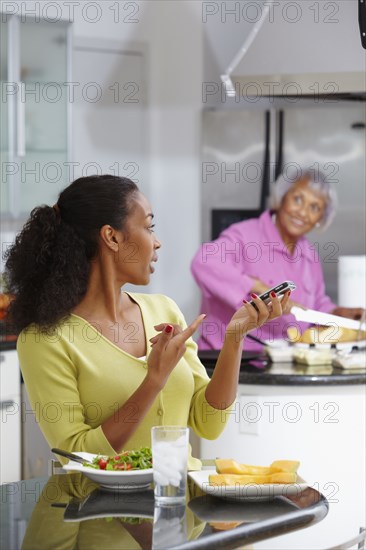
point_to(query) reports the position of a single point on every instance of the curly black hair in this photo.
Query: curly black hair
(47, 268)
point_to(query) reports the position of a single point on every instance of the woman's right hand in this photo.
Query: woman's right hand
(248, 317)
(168, 348)
(259, 287)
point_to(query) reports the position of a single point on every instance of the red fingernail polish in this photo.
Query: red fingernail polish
(273, 294)
(254, 296)
(245, 302)
(288, 293)
(168, 329)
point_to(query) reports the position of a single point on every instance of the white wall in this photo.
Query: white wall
(173, 35)
(175, 130)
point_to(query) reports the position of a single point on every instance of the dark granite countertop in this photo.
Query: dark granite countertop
(52, 514)
(8, 345)
(256, 368)
(8, 338)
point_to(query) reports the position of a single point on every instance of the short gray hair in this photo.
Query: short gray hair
(317, 181)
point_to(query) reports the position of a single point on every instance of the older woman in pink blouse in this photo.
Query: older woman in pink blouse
(251, 256)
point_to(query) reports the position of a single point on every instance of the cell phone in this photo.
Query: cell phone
(280, 290)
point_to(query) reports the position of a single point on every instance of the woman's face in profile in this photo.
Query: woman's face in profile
(302, 207)
(139, 244)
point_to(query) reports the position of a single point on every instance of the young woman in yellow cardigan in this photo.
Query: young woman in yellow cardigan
(102, 366)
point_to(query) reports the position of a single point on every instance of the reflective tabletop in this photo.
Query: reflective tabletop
(70, 511)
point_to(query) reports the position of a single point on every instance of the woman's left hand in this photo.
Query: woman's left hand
(249, 318)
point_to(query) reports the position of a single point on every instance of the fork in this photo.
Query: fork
(71, 456)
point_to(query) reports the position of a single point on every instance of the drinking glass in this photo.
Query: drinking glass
(170, 455)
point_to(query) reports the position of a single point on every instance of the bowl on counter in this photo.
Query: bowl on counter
(279, 351)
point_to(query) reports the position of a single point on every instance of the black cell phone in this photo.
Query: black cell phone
(280, 290)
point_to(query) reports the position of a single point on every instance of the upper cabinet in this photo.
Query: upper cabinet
(35, 112)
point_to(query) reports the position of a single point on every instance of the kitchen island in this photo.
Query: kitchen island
(70, 511)
(316, 415)
(312, 414)
(257, 369)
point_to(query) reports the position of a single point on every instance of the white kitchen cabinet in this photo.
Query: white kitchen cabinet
(10, 429)
(36, 453)
(35, 112)
(322, 427)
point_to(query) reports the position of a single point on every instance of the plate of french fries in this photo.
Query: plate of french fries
(234, 481)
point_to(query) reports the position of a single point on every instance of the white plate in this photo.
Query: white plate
(131, 480)
(253, 491)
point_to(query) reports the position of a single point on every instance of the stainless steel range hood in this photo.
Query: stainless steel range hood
(304, 49)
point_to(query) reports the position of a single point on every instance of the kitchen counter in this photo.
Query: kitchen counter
(8, 338)
(311, 414)
(257, 369)
(50, 513)
(8, 345)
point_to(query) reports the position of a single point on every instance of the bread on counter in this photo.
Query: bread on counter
(325, 335)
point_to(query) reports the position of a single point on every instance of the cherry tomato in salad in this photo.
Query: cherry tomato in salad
(102, 463)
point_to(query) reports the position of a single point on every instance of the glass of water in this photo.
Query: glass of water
(170, 456)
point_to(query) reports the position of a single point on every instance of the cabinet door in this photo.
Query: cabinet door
(43, 74)
(10, 463)
(4, 116)
(35, 65)
(10, 417)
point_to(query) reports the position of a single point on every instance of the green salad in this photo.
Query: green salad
(127, 460)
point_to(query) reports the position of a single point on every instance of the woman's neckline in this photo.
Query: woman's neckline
(89, 323)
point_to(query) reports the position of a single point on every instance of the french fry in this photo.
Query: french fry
(284, 466)
(235, 479)
(229, 466)
(231, 472)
